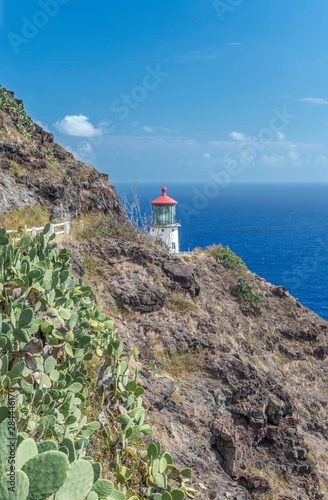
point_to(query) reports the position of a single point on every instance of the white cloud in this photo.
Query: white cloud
(207, 156)
(42, 125)
(294, 156)
(246, 158)
(151, 130)
(280, 136)
(238, 136)
(86, 147)
(275, 160)
(235, 43)
(322, 161)
(148, 129)
(83, 151)
(78, 126)
(314, 100)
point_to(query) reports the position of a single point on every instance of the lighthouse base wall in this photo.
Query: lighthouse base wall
(169, 235)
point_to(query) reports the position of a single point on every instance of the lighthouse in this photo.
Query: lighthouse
(164, 224)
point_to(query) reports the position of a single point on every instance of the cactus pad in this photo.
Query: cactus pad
(103, 488)
(69, 444)
(97, 469)
(92, 496)
(21, 487)
(26, 450)
(177, 494)
(79, 482)
(47, 472)
(116, 495)
(7, 435)
(47, 446)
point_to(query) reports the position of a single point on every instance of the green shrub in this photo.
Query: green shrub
(246, 294)
(227, 258)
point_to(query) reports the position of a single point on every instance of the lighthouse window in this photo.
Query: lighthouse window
(163, 215)
(173, 246)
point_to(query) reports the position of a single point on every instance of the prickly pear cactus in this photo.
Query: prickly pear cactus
(49, 328)
(48, 324)
(26, 450)
(103, 488)
(8, 439)
(92, 496)
(79, 482)
(17, 490)
(46, 472)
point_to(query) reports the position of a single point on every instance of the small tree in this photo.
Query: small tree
(134, 211)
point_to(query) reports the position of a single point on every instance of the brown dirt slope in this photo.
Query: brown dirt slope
(240, 394)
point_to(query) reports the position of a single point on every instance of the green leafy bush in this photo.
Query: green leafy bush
(246, 293)
(227, 258)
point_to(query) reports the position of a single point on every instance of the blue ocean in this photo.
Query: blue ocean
(279, 230)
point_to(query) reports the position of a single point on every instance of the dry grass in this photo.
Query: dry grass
(279, 485)
(181, 364)
(35, 216)
(178, 302)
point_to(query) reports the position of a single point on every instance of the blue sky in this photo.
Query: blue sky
(176, 91)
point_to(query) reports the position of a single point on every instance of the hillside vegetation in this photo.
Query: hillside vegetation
(234, 369)
(51, 333)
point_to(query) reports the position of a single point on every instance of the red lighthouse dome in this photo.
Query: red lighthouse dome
(164, 199)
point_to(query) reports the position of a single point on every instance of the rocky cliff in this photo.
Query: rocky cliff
(34, 169)
(236, 391)
(239, 393)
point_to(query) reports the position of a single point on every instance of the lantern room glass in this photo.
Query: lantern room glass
(164, 215)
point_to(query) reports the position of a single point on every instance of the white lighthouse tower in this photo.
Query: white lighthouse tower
(164, 221)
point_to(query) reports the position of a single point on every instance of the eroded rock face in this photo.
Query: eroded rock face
(182, 274)
(13, 194)
(226, 442)
(139, 296)
(254, 484)
(28, 176)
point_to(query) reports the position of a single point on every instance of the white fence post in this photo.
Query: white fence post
(34, 230)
